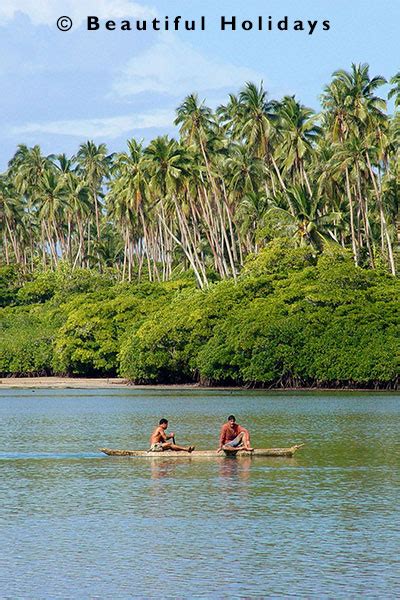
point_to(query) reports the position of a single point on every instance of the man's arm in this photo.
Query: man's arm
(222, 438)
(162, 434)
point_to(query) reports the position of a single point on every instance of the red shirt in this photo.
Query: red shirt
(229, 433)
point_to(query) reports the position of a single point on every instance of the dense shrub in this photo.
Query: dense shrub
(89, 341)
(291, 319)
(26, 340)
(327, 324)
(40, 289)
(9, 284)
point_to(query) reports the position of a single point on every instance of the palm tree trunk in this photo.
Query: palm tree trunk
(5, 244)
(196, 272)
(306, 179)
(189, 245)
(382, 216)
(278, 173)
(146, 243)
(353, 235)
(364, 214)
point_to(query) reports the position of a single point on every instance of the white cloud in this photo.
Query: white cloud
(46, 12)
(111, 127)
(174, 67)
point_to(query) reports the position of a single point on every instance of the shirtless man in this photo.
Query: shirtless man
(234, 437)
(159, 440)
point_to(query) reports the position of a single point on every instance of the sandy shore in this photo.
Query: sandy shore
(60, 382)
(82, 383)
(116, 382)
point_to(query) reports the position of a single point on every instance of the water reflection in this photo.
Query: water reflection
(235, 468)
(160, 468)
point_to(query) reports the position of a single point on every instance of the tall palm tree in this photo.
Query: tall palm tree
(52, 205)
(207, 200)
(11, 218)
(298, 134)
(168, 164)
(251, 213)
(126, 199)
(94, 166)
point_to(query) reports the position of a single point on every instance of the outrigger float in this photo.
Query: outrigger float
(283, 452)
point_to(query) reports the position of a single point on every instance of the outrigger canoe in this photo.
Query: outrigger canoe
(286, 452)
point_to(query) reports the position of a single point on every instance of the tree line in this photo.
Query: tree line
(253, 170)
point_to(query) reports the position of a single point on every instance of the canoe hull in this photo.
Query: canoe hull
(285, 452)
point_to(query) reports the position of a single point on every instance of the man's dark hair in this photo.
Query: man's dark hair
(162, 421)
(231, 418)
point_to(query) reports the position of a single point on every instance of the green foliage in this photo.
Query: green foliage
(328, 324)
(332, 325)
(280, 256)
(89, 341)
(62, 283)
(80, 281)
(26, 340)
(42, 288)
(9, 284)
(290, 319)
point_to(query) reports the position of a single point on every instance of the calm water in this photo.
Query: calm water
(76, 524)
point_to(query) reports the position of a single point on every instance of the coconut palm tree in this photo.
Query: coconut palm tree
(94, 166)
(207, 200)
(304, 216)
(168, 164)
(298, 134)
(127, 204)
(52, 205)
(395, 91)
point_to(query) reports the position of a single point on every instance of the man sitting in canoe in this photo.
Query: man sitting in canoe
(234, 437)
(159, 440)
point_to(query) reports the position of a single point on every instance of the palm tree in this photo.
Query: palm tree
(395, 91)
(298, 135)
(52, 205)
(251, 213)
(206, 201)
(252, 119)
(305, 217)
(243, 171)
(11, 216)
(168, 165)
(27, 168)
(359, 92)
(94, 166)
(198, 127)
(126, 199)
(354, 111)
(78, 209)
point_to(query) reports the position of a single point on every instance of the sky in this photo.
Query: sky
(61, 88)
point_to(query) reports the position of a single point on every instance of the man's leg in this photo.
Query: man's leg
(246, 441)
(235, 445)
(176, 448)
(241, 442)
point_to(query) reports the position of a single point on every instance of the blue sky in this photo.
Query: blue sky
(62, 88)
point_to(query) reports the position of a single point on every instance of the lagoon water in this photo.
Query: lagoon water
(77, 524)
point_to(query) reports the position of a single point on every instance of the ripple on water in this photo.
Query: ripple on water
(76, 524)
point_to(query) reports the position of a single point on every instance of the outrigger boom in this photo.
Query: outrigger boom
(284, 452)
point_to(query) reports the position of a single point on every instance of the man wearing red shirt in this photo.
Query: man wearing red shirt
(234, 437)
